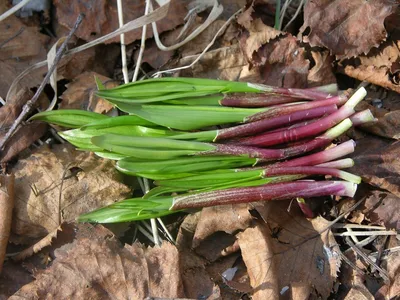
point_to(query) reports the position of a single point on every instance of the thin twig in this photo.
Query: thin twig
(13, 9)
(381, 271)
(145, 233)
(142, 44)
(172, 240)
(28, 106)
(214, 14)
(295, 15)
(366, 233)
(122, 39)
(223, 27)
(358, 226)
(351, 264)
(21, 30)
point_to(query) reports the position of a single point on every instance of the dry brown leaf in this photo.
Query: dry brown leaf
(101, 17)
(257, 252)
(388, 122)
(384, 156)
(196, 281)
(380, 66)
(289, 248)
(283, 63)
(22, 139)
(382, 208)
(99, 268)
(257, 32)
(217, 245)
(321, 73)
(38, 183)
(44, 242)
(11, 110)
(346, 28)
(12, 278)
(80, 93)
(226, 218)
(21, 46)
(392, 264)
(226, 63)
(359, 293)
(6, 209)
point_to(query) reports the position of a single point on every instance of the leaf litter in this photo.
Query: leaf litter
(259, 251)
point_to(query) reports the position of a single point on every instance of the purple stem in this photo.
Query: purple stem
(256, 100)
(295, 134)
(305, 208)
(262, 125)
(310, 94)
(277, 191)
(287, 109)
(310, 170)
(322, 156)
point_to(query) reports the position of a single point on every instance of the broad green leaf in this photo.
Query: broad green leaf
(71, 118)
(189, 117)
(128, 210)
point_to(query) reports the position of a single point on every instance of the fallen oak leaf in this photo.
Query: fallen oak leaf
(80, 93)
(257, 32)
(289, 251)
(39, 178)
(101, 17)
(379, 66)
(44, 242)
(257, 252)
(226, 218)
(383, 154)
(346, 28)
(6, 209)
(282, 62)
(321, 73)
(98, 267)
(382, 207)
(22, 139)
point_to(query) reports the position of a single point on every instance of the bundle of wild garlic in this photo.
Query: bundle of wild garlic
(169, 136)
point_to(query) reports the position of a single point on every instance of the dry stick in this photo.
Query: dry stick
(142, 44)
(122, 40)
(223, 27)
(13, 9)
(381, 271)
(28, 106)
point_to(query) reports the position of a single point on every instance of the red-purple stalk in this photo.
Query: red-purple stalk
(309, 170)
(309, 130)
(322, 156)
(287, 109)
(262, 125)
(275, 154)
(277, 191)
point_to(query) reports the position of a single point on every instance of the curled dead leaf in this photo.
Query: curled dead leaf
(80, 93)
(101, 17)
(380, 66)
(346, 28)
(98, 268)
(40, 207)
(226, 218)
(288, 251)
(383, 155)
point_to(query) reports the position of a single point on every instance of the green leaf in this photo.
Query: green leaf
(72, 118)
(189, 117)
(128, 210)
(118, 121)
